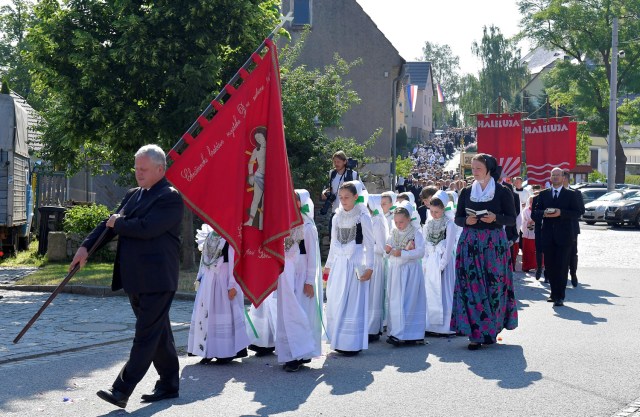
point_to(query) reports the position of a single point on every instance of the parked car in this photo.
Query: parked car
(590, 194)
(582, 185)
(623, 212)
(594, 211)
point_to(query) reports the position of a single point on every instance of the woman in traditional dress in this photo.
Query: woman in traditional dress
(349, 267)
(407, 299)
(440, 236)
(483, 300)
(300, 293)
(218, 327)
(378, 280)
(528, 238)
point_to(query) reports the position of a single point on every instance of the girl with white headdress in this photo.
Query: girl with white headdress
(349, 268)
(299, 291)
(217, 324)
(407, 299)
(440, 234)
(378, 280)
(411, 200)
(388, 205)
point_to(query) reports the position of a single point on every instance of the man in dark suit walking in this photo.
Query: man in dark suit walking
(573, 255)
(147, 224)
(557, 208)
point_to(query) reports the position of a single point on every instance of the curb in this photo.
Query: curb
(90, 290)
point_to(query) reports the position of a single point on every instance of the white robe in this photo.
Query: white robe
(378, 282)
(407, 300)
(439, 284)
(218, 328)
(298, 334)
(264, 320)
(348, 297)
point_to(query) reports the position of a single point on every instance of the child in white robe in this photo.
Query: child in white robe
(299, 329)
(440, 236)
(377, 284)
(349, 267)
(387, 203)
(407, 309)
(218, 327)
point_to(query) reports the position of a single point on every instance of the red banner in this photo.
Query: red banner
(235, 176)
(500, 135)
(549, 143)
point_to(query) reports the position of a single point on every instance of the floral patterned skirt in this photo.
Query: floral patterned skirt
(484, 302)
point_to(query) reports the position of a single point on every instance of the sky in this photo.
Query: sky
(408, 24)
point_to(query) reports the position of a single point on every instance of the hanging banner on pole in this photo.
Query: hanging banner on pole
(500, 135)
(235, 175)
(549, 143)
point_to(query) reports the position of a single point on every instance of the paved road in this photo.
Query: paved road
(580, 360)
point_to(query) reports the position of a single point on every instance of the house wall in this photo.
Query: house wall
(342, 26)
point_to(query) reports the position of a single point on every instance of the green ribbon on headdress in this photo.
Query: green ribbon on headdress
(305, 209)
(392, 208)
(375, 212)
(360, 200)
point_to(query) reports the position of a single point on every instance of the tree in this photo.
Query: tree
(123, 74)
(502, 72)
(470, 98)
(445, 67)
(15, 20)
(582, 30)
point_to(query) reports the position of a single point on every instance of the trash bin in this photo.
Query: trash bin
(50, 221)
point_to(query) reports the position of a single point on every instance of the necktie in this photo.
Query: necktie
(555, 194)
(142, 194)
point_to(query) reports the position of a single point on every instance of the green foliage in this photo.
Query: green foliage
(404, 166)
(632, 179)
(583, 141)
(402, 141)
(445, 67)
(502, 72)
(25, 257)
(121, 74)
(470, 98)
(83, 219)
(15, 20)
(5, 86)
(597, 176)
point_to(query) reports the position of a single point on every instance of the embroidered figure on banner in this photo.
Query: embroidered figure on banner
(256, 176)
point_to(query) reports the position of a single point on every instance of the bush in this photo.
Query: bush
(83, 219)
(597, 176)
(632, 179)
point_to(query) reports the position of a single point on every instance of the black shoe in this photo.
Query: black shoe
(473, 346)
(113, 396)
(261, 351)
(550, 300)
(242, 354)
(538, 273)
(159, 394)
(392, 340)
(546, 281)
(292, 366)
(348, 352)
(374, 338)
(205, 361)
(558, 303)
(305, 360)
(574, 281)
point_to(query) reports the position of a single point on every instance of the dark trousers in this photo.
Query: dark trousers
(573, 258)
(539, 253)
(153, 344)
(556, 268)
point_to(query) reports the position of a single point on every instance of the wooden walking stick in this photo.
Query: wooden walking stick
(60, 286)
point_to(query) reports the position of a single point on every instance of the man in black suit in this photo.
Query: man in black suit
(557, 208)
(147, 263)
(573, 255)
(538, 235)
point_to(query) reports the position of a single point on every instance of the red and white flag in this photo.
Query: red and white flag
(549, 143)
(500, 135)
(235, 176)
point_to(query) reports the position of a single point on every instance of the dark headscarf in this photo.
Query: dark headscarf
(492, 166)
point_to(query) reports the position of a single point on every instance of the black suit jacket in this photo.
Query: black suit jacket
(148, 254)
(557, 230)
(576, 223)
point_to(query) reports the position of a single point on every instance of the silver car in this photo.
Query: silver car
(594, 211)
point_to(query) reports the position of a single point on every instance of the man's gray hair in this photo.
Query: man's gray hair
(155, 153)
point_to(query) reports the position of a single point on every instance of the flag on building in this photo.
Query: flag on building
(549, 143)
(500, 135)
(412, 96)
(235, 176)
(440, 93)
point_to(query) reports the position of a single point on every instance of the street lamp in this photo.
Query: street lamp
(613, 107)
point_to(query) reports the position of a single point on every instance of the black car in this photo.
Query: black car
(595, 210)
(590, 194)
(626, 211)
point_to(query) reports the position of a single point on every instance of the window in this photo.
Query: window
(594, 158)
(301, 12)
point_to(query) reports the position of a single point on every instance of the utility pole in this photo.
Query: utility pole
(613, 109)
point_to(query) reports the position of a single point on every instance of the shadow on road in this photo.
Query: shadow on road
(505, 364)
